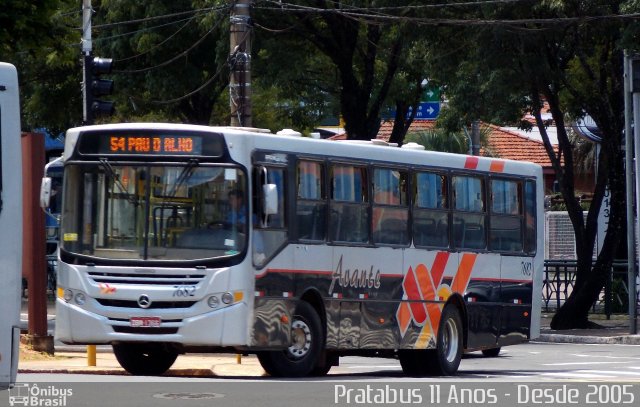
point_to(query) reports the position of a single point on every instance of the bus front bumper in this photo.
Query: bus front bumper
(221, 327)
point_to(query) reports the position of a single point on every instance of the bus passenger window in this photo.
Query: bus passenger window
(430, 190)
(311, 204)
(530, 217)
(390, 216)
(349, 219)
(430, 214)
(506, 218)
(468, 215)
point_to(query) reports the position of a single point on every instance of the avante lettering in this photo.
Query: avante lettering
(356, 278)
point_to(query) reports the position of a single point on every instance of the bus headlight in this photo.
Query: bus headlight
(227, 298)
(68, 295)
(80, 299)
(213, 301)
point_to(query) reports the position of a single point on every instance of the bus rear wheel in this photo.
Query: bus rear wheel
(445, 359)
(145, 359)
(302, 355)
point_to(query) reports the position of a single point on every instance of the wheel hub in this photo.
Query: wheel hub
(450, 340)
(300, 338)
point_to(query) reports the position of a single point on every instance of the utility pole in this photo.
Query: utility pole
(87, 47)
(633, 69)
(475, 137)
(628, 158)
(240, 63)
(93, 85)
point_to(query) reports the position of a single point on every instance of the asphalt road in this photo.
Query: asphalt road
(557, 374)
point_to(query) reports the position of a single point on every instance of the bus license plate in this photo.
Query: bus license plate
(142, 322)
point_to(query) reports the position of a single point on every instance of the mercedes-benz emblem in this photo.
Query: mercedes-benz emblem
(144, 301)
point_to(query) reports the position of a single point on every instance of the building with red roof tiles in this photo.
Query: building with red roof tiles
(514, 146)
(416, 126)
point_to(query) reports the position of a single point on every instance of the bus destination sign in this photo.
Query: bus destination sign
(158, 144)
(139, 143)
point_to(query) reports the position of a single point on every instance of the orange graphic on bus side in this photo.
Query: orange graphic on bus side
(421, 285)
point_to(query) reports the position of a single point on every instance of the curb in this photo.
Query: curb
(82, 349)
(122, 372)
(610, 340)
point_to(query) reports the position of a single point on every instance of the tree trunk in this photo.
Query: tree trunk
(574, 314)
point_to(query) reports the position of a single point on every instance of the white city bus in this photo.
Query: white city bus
(180, 238)
(10, 224)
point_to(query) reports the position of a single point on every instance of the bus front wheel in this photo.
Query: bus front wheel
(145, 359)
(302, 355)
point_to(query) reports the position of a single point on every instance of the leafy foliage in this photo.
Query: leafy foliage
(575, 65)
(36, 37)
(439, 139)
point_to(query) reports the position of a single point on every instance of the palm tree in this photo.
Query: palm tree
(439, 139)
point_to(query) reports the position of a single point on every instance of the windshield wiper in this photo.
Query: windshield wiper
(116, 180)
(184, 175)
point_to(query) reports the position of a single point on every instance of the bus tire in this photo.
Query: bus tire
(145, 359)
(325, 362)
(445, 359)
(264, 357)
(307, 341)
(491, 353)
(413, 362)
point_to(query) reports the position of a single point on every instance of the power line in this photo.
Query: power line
(100, 39)
(178, 56)
(366, 15)
(158, 44)
(232, 60)
(143, 20)
(193, 92)
(426, 6)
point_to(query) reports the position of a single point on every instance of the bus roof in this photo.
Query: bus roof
(364, 150)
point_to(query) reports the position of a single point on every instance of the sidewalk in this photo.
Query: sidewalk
(613, 331)
(189, 365)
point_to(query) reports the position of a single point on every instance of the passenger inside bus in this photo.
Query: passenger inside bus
(237, 214)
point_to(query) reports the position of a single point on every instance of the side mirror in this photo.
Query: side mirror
(45, 192)
(270, 196)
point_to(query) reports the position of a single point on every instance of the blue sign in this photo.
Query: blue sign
(426, 110)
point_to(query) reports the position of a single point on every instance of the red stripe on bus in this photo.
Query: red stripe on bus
(439, 264)
(424, 282)
(463, 275)
(471, 163)
(413, 294)
(320, 272)
(496, 166)
(293, 271)
(498, 280)
(404, 317)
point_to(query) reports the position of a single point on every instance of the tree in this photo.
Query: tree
(575, 66)
(293, 89)
(439, 139)
(365, 55)
(25, 26)
(36, 37)
(170, 57)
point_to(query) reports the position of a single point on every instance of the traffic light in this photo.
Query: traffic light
(97, 87)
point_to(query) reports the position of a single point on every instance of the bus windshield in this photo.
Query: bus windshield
(186, 211)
